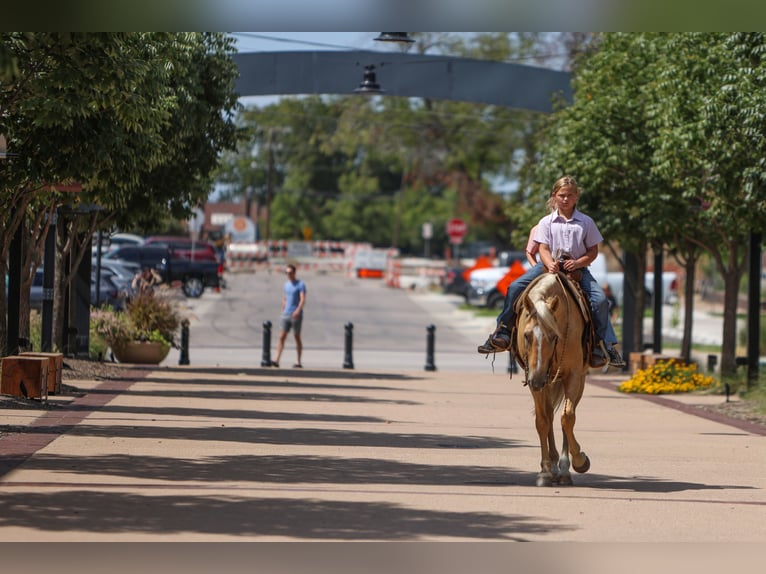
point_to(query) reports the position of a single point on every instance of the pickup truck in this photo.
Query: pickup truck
(194, 275)
(487, 286)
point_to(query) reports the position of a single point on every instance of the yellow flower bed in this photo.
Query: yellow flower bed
(666, 377)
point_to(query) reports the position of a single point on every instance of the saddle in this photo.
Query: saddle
(571, 283)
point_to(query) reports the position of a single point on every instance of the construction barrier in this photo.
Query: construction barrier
(414, 273)
(356, 260)
(305, 255)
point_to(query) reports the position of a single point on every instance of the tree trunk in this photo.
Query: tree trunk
(59, 289)
(34, 232)
(729, 345)
(640, 290)
(3, 307)
(686, 342)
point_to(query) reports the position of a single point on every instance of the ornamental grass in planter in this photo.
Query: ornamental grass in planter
(150, 317)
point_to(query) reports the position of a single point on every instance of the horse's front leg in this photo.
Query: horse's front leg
(544, 425)
(565, 478)
(573, 393)
(553, 453)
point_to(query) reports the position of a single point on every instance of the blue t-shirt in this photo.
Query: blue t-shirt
(293, 290)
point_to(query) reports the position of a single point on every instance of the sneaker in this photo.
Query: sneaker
(615, 359)
(597, 358)
(498, 342)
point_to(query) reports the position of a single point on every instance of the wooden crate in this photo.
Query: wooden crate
(55, 368)
(25, 377)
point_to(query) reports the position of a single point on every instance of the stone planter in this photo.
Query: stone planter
(140, 352)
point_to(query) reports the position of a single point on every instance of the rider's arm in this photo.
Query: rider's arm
(549, 263)
(583, 260)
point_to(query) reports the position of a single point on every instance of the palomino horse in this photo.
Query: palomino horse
(551, 344)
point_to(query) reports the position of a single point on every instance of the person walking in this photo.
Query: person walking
(291, 318)
(568, 240)
(614, 308)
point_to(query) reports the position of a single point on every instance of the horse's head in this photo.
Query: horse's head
(538, 335)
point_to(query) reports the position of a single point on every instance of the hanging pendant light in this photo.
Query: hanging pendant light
(370, 83)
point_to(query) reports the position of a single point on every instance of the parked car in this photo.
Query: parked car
(115, 240)
(454, 281)
(194, 275)
(119, 273)
(185, 247)
(109, 293)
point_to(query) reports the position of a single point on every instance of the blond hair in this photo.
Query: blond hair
(565, 181)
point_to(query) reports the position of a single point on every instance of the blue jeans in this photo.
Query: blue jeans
(599, 304)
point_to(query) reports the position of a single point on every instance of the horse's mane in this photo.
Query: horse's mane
(543, 289)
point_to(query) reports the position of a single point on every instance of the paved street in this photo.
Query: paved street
(383, 452)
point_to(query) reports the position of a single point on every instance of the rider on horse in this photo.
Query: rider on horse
(565, 231)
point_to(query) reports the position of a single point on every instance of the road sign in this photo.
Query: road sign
(456, 230)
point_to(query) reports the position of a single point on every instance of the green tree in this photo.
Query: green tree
(603, 139)
(665, 136)
(710, 146)
(138, 119)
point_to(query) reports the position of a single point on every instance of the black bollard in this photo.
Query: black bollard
(183, 359)
(430, 366)
(348, 360)
(266, 356)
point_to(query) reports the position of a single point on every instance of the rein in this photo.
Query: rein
(566, 334)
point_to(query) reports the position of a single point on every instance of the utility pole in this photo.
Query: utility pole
(269, 185)
(398, 214)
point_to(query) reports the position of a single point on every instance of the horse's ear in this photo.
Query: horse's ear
(529, 305)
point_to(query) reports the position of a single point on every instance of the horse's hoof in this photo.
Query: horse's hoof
(564, 480)
(585, 465)
(544, 480)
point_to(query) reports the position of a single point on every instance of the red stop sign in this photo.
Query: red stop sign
(456, 229)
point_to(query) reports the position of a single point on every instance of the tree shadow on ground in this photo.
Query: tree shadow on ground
(349, 374)
(246, 395)
(282, 436)
(228, 514)
(277, 469)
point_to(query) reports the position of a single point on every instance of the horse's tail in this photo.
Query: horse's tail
(556, 393)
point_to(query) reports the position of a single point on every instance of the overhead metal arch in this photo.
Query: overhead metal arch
(408, 75)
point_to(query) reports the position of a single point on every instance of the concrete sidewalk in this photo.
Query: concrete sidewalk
(233, 454)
